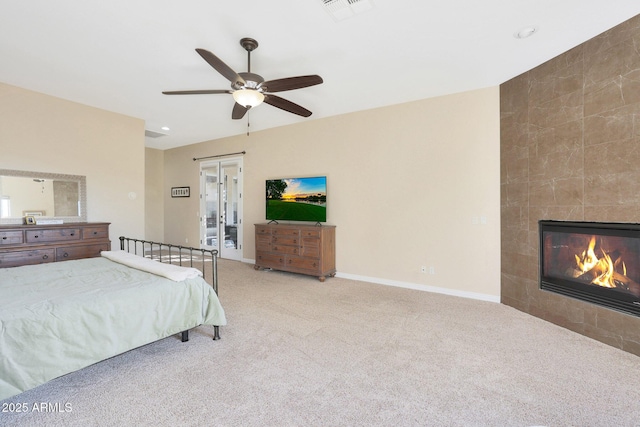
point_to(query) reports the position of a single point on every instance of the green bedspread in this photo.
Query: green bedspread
(60, 317)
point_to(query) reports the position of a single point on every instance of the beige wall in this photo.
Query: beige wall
(410, 185)
(154, 195)
(47, 134)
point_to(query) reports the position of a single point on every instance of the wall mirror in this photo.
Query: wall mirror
(45, 196)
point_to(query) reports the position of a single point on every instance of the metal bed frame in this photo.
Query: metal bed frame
(176, 254)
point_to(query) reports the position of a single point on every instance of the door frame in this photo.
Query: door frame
(223, 252)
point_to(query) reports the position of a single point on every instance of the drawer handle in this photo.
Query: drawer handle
(95, 232)
(36, 236)
(4, 238)
(295, 241)
(71, 234)
(45, 256)
(65, 255)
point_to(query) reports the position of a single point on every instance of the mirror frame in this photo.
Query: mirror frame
(82, 190)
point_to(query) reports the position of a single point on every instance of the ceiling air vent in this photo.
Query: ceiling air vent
(343, 9)
(153, 134)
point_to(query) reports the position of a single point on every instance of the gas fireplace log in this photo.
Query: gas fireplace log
(595, 271)
(599, 268)
(634, 287)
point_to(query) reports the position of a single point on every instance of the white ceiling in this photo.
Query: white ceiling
(119, 55)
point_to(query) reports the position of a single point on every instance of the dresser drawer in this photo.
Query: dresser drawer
(11, 237)
(286, 240)
(291, 232)
(17, 258)
(100, 232)
(53, 235)
(79, 252)
(270, 260)
(263, 229)
(308, 232)
(300, 263)
(284, 249)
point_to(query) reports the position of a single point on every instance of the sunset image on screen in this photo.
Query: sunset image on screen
(297, 199)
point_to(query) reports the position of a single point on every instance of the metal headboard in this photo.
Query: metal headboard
(173, 253)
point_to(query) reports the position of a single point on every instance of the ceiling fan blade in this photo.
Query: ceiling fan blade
(221, 67)
(238, 111)
(285, 105)
(197, 92)
(290, 83)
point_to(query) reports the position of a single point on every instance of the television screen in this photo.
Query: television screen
(297, 199)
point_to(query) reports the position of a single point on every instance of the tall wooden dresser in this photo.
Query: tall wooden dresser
(37, 244)
(305, 249)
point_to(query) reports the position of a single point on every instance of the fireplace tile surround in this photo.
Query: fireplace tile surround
(570, 151)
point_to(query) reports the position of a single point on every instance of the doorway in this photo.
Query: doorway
(221, 207)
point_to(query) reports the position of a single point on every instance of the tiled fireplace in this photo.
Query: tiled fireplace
(570, 151)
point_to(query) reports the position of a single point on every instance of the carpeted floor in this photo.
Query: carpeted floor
(297, 352)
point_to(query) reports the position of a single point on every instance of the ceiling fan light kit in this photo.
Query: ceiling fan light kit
(248, 98)
(250, 90)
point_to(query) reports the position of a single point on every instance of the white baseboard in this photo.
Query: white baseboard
(419, 287)
(409, 285)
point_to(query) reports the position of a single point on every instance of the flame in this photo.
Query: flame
(589, 258)
(606, 278)
(603, 269)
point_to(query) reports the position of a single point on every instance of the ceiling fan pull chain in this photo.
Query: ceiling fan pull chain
(248, 122)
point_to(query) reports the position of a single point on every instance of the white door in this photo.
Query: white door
(221, 207)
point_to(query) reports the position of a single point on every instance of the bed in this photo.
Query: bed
(59, 317)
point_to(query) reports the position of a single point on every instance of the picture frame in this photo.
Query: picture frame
(180, 191)
(30, 220)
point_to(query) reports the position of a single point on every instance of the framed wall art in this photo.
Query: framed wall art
(180, 191)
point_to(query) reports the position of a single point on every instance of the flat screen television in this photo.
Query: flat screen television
(297, 199)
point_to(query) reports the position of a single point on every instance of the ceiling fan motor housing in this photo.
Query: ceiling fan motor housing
(252, 81)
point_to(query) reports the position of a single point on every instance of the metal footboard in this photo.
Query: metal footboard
(183, 256)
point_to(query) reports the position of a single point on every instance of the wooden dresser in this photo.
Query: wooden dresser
(305, 249)
(37, 244)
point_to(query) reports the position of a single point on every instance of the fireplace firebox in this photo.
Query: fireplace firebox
(594, 262)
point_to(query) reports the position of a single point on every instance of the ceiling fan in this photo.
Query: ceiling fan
(250, 90)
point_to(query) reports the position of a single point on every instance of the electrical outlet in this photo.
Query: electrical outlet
(423, 269)
(432, 270)
(186, 240)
